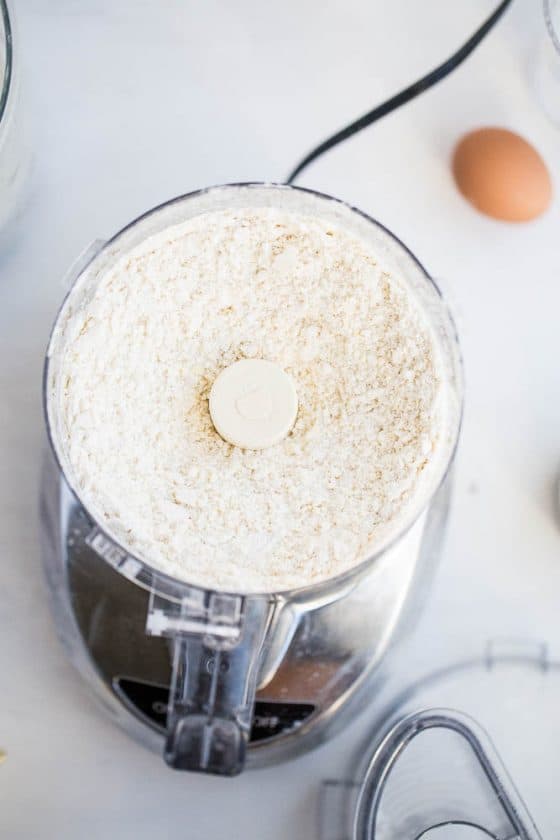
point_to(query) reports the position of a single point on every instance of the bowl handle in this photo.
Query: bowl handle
(217, 642)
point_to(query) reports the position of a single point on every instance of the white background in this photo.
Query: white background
(132, 102)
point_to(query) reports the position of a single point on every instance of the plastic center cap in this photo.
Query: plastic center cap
(253, 404)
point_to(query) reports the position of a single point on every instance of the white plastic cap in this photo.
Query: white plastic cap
(253, 404)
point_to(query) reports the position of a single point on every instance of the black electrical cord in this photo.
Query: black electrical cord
(405, 95)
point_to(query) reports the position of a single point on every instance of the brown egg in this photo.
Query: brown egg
(502, 175)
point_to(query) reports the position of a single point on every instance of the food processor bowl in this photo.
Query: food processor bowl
(304, 654)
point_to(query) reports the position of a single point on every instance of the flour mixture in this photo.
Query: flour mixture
(141, 356)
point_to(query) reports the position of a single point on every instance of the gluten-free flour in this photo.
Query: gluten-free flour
(141, 356)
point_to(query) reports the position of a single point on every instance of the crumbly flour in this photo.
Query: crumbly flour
(141, 358)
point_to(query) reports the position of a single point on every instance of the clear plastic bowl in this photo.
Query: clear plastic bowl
(14, 151)
(547, 67)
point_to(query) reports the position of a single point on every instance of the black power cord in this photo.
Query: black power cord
(405, 95)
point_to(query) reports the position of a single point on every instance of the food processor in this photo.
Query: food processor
(222, 680)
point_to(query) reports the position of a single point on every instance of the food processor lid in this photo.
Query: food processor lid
(436, 776)
(468, 752)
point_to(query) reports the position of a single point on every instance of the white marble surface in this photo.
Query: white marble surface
(130, 103)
